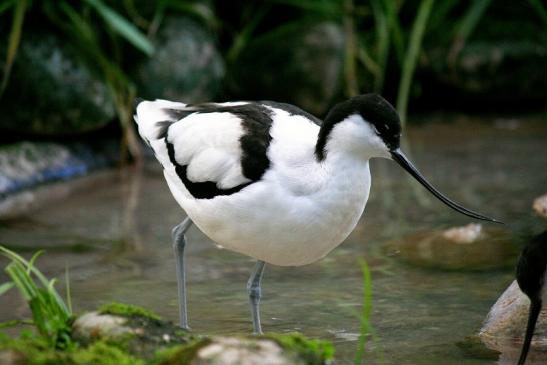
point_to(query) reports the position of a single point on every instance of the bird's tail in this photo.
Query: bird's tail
(154, 117)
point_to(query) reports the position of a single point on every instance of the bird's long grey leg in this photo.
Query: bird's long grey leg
(179, 242)
(253, 288)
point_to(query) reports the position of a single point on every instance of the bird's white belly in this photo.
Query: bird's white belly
(267, 222)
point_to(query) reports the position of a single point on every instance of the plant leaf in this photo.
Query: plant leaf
(6, 5)
(411, 56)
(122, 26)
(5, 287)
(14, 39)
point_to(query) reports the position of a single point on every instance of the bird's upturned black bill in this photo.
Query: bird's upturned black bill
(399, 157)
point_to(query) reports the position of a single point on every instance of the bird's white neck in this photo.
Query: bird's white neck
(354, 139)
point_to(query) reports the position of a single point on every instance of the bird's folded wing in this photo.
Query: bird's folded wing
(206, 146)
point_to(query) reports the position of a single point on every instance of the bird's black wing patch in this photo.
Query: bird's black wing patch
(256, 121)
(293, 110)
(162, 127)
(199, 190)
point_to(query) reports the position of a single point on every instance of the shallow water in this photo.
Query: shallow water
(113, 234)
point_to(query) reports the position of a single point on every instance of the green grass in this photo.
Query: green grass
(366, 330)
(411, 56)
(50, 314)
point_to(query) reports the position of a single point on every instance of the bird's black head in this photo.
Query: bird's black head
(374, 110)
(369, 126)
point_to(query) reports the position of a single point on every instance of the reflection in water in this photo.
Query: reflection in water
(420, 314)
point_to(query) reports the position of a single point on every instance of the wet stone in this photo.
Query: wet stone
(27, 164)
(138, 331)
(540, 206)
(471, 247)
(236, 351)
(145, 335)
(94, 325)
(504, 327)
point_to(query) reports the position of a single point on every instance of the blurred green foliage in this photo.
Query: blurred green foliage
(384, 39)
(50, 314)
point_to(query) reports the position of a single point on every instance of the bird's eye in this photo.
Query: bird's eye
(375, 129)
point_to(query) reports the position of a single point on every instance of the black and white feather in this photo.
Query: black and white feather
(268, 179)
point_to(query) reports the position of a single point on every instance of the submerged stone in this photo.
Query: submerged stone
(504, 327)
(471, 247)
(51, 92)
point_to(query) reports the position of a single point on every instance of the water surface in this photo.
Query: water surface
(113, 234)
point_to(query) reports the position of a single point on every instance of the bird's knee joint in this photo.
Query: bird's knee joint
(254, 292)
(175, 232)
(179, 242)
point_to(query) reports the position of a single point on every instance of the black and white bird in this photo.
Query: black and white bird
(269, 180)
(531, 277)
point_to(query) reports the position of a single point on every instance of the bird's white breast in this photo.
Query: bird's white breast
(298, 212)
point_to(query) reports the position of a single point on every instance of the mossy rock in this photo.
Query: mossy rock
(120, 334)
(127, 310)
(270, 349)
(186, 66)
(51, 92)
(299, 64)
(135, 329)
(503, 61)
(311, 351)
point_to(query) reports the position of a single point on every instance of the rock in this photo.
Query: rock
(94, 325)
(471, 247)
(14, 205)
(503, 60)
(287, 349)
(186, 66)
(129, 335)
(300, 65)
(50, 92)
(504, 327)
(27, 164)
(238, 351)
(141, 331)
(540, 206)
(463, 235)
(11, 357)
